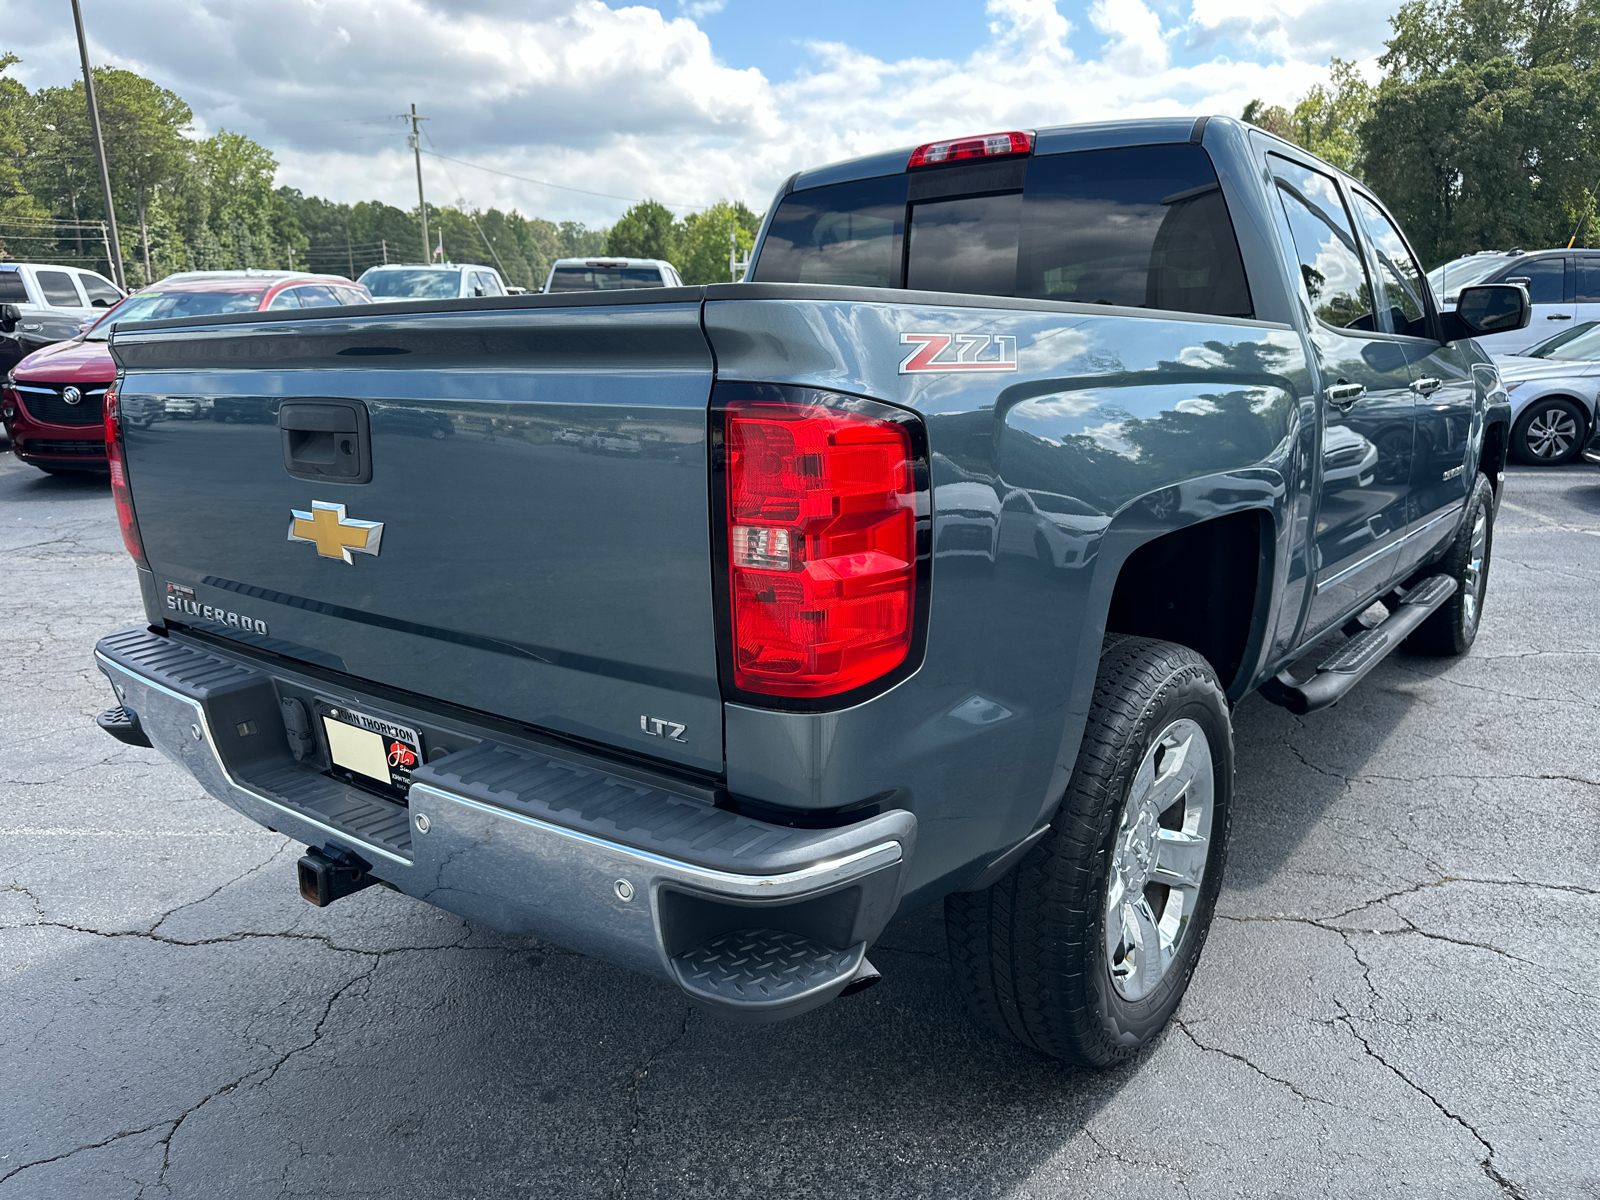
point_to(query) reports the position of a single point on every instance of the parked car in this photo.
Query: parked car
(1553, 387)
(719, 716)
(51, 401)
(53, 303)
(610, 274)
(1564, 286)
(433, 281)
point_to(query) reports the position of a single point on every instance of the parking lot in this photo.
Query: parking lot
(1399, 999)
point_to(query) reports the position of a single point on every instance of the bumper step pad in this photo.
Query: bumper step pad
(752, 969)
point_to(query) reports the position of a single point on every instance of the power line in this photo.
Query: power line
(563, 187)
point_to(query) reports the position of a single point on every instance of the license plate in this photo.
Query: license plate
(375, 750)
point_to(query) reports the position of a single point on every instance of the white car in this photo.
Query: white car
(1555, 392)
(1563, 285)
(37, 288)
(432, 281)
(610, 274)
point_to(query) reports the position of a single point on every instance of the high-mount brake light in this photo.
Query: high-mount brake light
(822, 545)
(988, 145)
(121, 497)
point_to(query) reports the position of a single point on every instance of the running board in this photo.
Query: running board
(1350, 662)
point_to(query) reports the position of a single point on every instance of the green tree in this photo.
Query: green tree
(1326, 121)
(647, 230)
(1485, 118)
(705, 242)
(17, 204)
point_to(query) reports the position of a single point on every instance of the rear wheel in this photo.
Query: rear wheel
(1084, 949)
(1454, 627)
(1548, 433)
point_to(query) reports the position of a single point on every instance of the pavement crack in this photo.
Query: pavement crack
(1506, 1186)
(638, 1077)
(271, 858)
(1239, 1058)
(66, 1154)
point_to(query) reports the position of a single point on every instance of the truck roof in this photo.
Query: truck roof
(1055, 139)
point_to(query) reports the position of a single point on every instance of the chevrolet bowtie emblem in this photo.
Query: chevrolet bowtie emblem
(334, 534)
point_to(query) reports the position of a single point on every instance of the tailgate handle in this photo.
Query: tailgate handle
(326, 441)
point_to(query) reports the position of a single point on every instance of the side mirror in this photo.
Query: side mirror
(10, 314)
(1488, 308)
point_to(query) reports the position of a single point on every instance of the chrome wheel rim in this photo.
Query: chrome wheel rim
(1472, 578)
(1552, 433)
(1158, 860)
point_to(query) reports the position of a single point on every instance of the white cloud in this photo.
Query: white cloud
(630, 102)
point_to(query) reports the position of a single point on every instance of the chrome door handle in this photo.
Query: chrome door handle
(1344, 394)
(1427, 386)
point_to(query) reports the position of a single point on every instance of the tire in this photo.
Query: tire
(1454, 627)
(1549, 432)
(1033, 955)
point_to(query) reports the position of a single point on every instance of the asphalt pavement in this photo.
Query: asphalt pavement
(1401, 996)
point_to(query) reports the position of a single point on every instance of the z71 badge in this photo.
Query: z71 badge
(958, 352)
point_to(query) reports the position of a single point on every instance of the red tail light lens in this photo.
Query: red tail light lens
(120, 496)
(822, 529)
(988, 145)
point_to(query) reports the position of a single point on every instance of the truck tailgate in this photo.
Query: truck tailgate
(539, 475)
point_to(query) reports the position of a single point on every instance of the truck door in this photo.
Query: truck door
(1445, 393)
(1365, 401)
(1551, 288)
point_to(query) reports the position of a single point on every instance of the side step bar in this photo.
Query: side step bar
(1349, 664)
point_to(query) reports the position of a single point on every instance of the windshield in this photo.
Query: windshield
(604, 279)
(1581, 343)
(413, 285)
(1464, 272)
(155, 306)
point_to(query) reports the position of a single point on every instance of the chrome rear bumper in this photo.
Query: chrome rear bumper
(752, 920)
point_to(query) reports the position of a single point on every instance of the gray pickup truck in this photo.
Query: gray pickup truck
(704, 630)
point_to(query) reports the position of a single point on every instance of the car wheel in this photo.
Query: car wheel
(1452, 629)
(1083, 949)
(1549, 432)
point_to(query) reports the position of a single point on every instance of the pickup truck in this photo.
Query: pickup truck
(929, 564)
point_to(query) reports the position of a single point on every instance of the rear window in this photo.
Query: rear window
(12, 289)
(1145, 227)
(413, 285)
(603, 279)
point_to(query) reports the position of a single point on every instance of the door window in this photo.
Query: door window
(1399, 279)
(58, 289)
(12, 288)
(102, 293)
(314, 295)
(1588, 279)
(1547, 279)
(491, 284)
(285, 299)
(1326, 245)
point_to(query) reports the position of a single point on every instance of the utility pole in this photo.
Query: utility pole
(422, 205)
(100, 149)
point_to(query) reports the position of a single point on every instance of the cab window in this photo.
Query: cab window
(102, 293)
(1325, 243)
(58, 289)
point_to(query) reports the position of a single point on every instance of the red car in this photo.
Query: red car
(52, 401)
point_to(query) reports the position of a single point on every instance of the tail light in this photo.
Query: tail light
(825, 515)
(988, 145)
(120, 496)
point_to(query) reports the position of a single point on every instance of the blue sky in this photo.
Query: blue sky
(685, 101)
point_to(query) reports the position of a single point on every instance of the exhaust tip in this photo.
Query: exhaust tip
(866, 976)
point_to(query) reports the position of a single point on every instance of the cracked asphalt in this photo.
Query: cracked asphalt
(1399, 997)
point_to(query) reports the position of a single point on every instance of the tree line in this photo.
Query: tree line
(1478, 134)
(186, 203)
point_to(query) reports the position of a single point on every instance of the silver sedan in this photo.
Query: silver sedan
(1554, 386)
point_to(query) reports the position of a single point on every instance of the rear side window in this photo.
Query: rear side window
(847, 235)
(1400, 309)
(1547, 279)
(315, 295)
(102, 293)
(12, 289)
(1589, 279)
(1325, 243)
(58, 289)
(1142, 226)
(351, 295)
